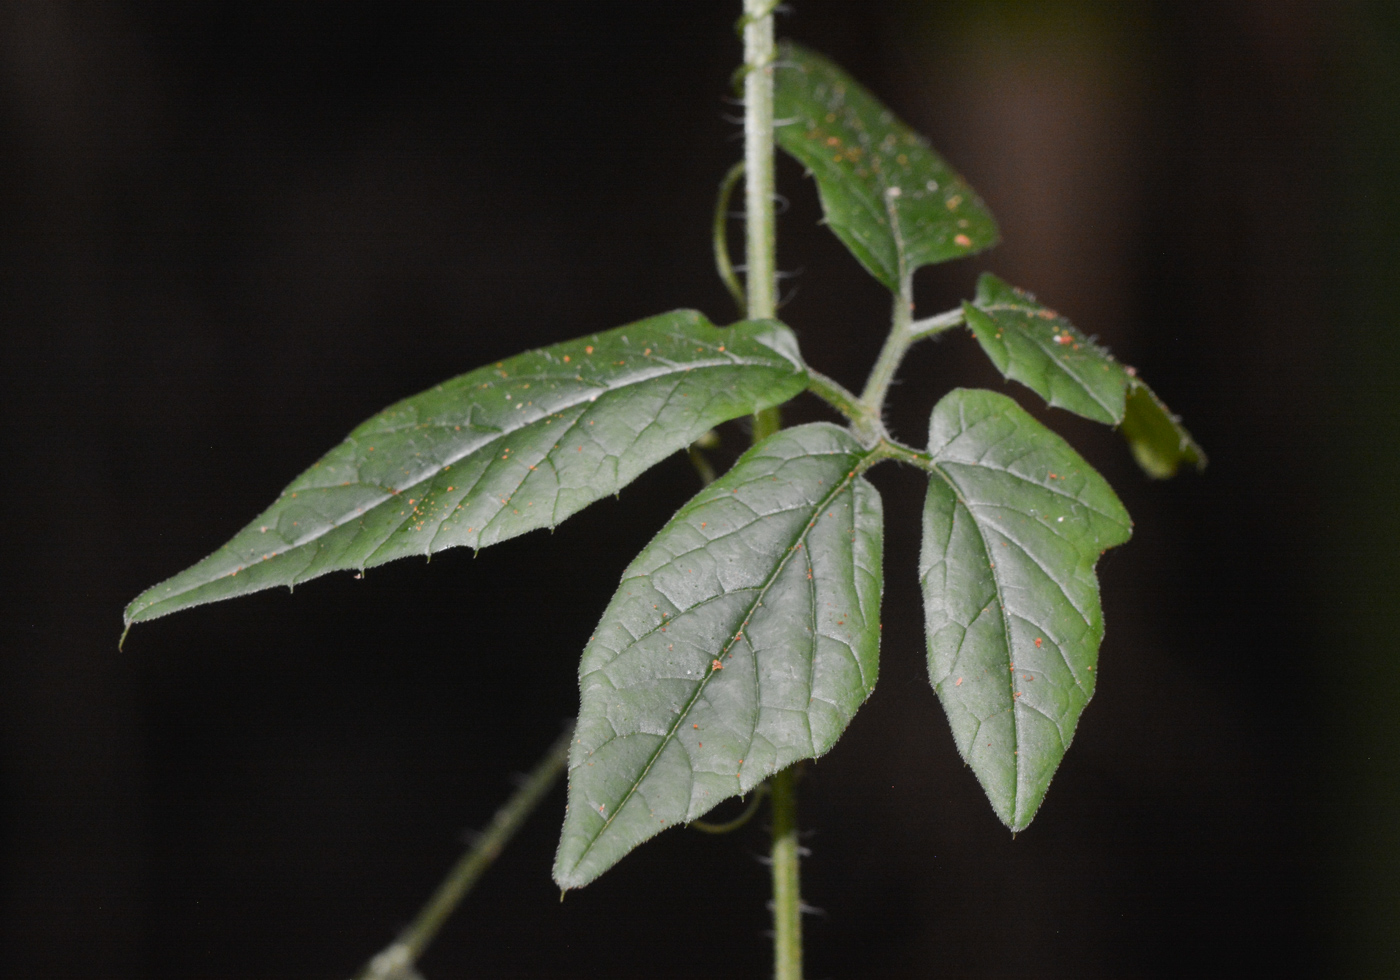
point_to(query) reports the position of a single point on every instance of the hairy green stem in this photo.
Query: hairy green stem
(762, 293)
(787, 896)
(934, 325)
(397, 959)
(760, 228)
(864, 422)
(873, 398)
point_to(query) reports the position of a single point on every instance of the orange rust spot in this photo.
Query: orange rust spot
(588, 350)
(716, 665)
(958, 682)
(962, 240)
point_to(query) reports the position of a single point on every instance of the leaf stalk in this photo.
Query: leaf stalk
(933, 325)
(865, 423)
(898, 341)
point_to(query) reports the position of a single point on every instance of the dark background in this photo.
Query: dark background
(231, 231)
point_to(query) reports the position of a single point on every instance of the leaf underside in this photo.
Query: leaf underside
(885, 193)
(1032, 344)
(1013, 524)
(742, 639)
(500, 451)
(1158, 440)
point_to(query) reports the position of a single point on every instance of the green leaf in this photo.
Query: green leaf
(1032, 344)
(885, 193)
(1013, 525)
(500, 451)
(1158, 440)
(742, 639)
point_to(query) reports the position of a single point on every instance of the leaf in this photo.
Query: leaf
(1158, 440)
(1013, 525)
(885, 193)
(500, 451)
(1034, 345)
(742, 639)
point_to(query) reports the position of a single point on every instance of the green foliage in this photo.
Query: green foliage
(1041, 349)
(742, 639)
(1160, 443)
(1034, 345)
(499, 451)
(892, 200)
(746, 635)
(1014, 521)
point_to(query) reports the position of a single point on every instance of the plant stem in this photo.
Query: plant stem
(397, 959)
(895, 345)
(787, 895)
(762, 292)
(934, 325)
(760, 228)
(865, 422)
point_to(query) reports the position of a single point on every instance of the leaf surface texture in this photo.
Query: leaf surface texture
(499, 451)
(886, 194)
(1031, 343)
(742, 639)
(1013, 524)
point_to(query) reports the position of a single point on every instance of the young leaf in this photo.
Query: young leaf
(885, 193)
(1158, 440)
(500, 451)
(742, 639)
(1034, 345)
(1013, 525)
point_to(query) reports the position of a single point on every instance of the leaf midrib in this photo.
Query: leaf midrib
(1058, 362)
(582, 398)
(1005, 627)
